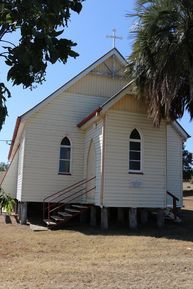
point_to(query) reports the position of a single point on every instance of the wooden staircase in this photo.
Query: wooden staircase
(62, 206)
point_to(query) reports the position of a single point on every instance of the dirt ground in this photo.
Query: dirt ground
(81, 257)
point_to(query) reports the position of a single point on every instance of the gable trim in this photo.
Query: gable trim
(18, 121)
(106, 105)
(80, 75)
(180, 130)
(84, 72)
(115, 98)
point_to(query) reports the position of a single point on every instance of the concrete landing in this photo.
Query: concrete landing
(37, 228)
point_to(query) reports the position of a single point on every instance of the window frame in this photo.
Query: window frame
(70, 159)
(140, 141)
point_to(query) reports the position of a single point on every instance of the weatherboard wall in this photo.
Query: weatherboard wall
(174, 165)
(20, 168)
(44, 132)
(9, 183)
(121, 188)
(99, 85)
(95, 134)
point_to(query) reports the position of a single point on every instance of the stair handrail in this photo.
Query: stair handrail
(175, 200)
(63, 204)
(66, 197)
(173, 196)
(75, 186)
(64, 192)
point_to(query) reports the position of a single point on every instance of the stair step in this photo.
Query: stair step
(80, 206)
(57, 218)
(72, 210)
(64, 214)
(49, 222)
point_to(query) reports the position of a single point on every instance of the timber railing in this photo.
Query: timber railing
(63, 197)
(175, 200)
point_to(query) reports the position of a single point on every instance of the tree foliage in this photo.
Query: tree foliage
(40, 24)
(7, 202)
(161, 62)
(187, 164)
(3, 166)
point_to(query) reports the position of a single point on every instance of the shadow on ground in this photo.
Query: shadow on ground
(177, 231)
(188, 193)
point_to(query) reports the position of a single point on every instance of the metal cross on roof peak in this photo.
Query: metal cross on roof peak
(114, 37)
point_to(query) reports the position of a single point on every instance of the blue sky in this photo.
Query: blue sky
(89, 30)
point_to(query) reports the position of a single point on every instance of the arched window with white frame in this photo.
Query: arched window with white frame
(65, 156)
(135, 152)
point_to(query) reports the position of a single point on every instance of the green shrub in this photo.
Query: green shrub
(7, 202)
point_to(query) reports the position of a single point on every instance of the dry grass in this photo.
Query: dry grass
(149, 258)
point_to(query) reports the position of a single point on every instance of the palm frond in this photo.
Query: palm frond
(162, 58)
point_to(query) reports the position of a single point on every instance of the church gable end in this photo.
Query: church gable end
(105, 79)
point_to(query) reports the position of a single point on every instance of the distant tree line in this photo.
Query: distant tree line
(3, 166)
(187, 165)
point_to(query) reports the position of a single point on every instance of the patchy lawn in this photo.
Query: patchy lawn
(149, 258)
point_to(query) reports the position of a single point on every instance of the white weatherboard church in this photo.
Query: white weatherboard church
(91, 142)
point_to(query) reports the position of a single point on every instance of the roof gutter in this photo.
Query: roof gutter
(89, 117)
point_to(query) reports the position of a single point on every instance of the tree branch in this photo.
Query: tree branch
(7, 42)
(3, 30)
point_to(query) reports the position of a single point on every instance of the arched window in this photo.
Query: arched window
(65, 156)
(135, 163)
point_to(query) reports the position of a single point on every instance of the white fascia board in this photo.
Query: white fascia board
(180, 130)
(113, 100)
(17, 139)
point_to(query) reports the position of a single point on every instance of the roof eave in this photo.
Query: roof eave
(18, 121)
(89, 119)
(181, 131)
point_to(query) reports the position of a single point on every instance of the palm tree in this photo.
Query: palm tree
(161, 62)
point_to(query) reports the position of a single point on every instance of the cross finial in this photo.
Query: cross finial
(114, 37)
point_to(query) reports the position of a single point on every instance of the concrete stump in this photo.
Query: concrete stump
(93, 218)
(133, 218)
(104, 219)
(23, 213)
(160, 218)
(144, 216)
(83, 217)
(120, 215)
(19, 210)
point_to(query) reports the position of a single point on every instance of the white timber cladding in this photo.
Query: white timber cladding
(20, 169)
(95, 134)
(44, 132)
(105, 79)
(97, 85)
(122, 189)
(9, 183)
(174, 165)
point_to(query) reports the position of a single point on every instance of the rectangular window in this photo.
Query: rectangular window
(134, 165)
